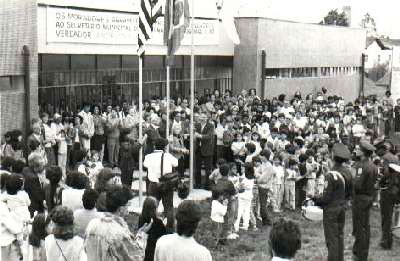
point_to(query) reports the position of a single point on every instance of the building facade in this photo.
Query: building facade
(86, 51)
(298, 57)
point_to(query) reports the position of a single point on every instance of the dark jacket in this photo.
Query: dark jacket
(156, 231)
(205, 145)
(334, 192)
(35, 190)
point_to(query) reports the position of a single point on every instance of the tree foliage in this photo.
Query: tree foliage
(368, 22)
(335, 18)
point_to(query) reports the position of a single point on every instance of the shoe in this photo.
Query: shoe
(222, 242)
(385, 246)
(232, 236)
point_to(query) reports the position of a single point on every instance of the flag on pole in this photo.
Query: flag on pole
(177, 19)
(149, 11)
(226, 10)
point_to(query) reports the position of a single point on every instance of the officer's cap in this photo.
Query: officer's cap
(364, 145)
(341, 151)
(394, 167)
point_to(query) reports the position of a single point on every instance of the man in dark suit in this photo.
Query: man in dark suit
(35, 180)
(204, 134)
(153, 134)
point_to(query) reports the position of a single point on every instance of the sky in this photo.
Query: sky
(385, 12)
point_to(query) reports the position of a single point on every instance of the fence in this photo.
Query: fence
(67, 91)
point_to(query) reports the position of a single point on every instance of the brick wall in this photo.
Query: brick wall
(18, 27)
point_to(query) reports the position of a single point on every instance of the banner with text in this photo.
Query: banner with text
(78, 26)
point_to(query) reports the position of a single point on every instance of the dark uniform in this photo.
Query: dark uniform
(390, 187)
(333, 203)
(363, 196)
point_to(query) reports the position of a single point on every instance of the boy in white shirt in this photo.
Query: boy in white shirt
(278, 184)
(245, 196)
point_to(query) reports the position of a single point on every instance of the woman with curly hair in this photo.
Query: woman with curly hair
(108, 238)
(62, 244)
(105, 179)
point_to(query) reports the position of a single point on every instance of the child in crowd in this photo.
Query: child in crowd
(36, 237)
(227, 187)
(292, 175)
(62, 153)
(216, 175)
(312, 168)
(245, 196)
(278, 184)
(128, 160)
(149, 216)
(219, 207)
(92, 166)
(14, 215)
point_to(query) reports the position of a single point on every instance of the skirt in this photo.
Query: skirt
(97, 142)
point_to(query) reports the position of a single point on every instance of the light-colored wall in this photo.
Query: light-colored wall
(247, 61)
(346, 86)
(373, 51)
(17, 28)
(291, 44)
(294, 45)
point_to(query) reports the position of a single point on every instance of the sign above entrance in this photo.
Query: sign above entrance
(100, 27)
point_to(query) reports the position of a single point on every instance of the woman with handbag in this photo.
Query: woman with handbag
(62, 244)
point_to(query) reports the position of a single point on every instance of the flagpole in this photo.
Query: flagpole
(192, 101)
(168, 103)
(140, 130)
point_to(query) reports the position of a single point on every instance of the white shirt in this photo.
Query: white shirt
(72, 198)
(180, 248)
(152, 162)
(72, 249)
(218, 211)
(275, 258)
(247, 185)
(280, 174)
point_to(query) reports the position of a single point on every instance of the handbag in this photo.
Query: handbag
(168, 180)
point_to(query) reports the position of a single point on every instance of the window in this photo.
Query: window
(366, 58)
(5, 83)
(54, 62)
(271, 73)
(15, 82)
(83, 62)
(379, 58)
(108, 62)
(130, 61)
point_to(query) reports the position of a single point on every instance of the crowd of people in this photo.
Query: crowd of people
(73, 174)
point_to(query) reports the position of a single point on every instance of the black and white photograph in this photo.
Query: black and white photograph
(199, 130)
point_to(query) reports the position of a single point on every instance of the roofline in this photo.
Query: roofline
(295, 22)
(382, 45)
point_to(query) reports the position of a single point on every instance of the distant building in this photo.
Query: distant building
(299, 57)
(376, 53)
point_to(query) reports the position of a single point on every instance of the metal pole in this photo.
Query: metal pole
(192, 102)
(263, 65)
(140, 131)
(391, 72)
(168, 103)
(361, 94)
(27, 85)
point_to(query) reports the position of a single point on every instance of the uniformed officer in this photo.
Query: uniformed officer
(390, 192)
(363, 197)
(333, 203)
